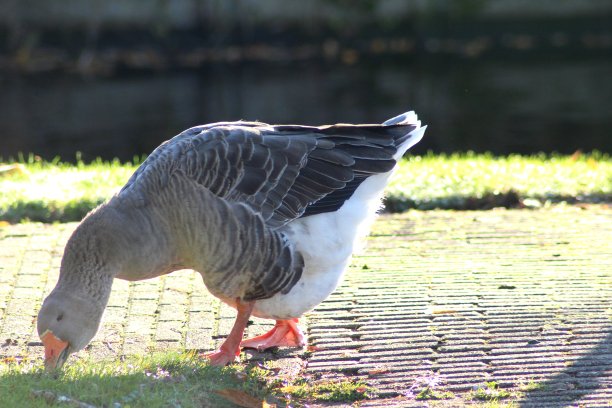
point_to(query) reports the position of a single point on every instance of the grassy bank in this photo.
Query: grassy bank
(48, 192)
(472, 181)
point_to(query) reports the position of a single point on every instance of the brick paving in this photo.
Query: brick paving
(518, 297)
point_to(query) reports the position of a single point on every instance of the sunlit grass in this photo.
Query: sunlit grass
(330, 391)
(52, 191)
(42, 191)
(469, 181)
(159, 380)
(170, 379)
(490, 391)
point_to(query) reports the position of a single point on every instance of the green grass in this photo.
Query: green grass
(430, 393)
(140, 381)
(494, 404)
(334, 391)
(48, 192)
(471, 181)
(490, 391)
(532, 385)
(163, 380)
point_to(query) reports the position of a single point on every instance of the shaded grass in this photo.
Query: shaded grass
(533, 385)
(54, 191)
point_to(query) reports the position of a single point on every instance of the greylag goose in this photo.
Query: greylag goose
(268, 215)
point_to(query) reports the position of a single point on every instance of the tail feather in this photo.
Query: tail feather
(406, 118)
(411, 138)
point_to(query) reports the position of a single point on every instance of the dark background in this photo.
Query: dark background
(517, 80)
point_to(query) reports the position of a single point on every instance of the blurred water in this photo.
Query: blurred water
(498, 106)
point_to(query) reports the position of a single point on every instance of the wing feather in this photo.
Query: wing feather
(260, 178)
(281, 172)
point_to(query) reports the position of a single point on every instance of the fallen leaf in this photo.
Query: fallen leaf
(577, 154)
(275, 370)
(242, 399)
(378, 371)
(439, 311)
(506, 287)
(312, 349)
(444, 311)
(10, 169)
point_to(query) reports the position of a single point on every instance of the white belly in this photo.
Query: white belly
(326, 241)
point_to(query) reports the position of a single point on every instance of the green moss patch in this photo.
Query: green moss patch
(490, 391)
(329, 391)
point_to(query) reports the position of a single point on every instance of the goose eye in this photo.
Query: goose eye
(60, 317)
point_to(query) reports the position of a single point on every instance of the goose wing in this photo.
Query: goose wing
(282, 172)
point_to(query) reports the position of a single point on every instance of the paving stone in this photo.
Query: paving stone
(499, 305)
(199, 339)
(169, 331)
(140, 324)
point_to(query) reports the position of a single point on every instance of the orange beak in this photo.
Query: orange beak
(56, 350)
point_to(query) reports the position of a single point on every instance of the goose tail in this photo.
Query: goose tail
(406, 140)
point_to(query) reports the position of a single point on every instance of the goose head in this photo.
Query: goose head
(70, 316)
(66, 323)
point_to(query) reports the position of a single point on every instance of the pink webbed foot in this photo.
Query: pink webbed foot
(286, 333)
(231, 346)
(221, 357)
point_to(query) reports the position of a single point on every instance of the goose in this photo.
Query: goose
(269, 215)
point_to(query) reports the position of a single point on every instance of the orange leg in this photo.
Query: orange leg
(231, 346)
(286, 333)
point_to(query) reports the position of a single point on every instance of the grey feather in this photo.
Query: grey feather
(258, 178)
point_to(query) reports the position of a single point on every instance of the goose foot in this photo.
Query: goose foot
(221, 357)
(231, 346)
(286, 333)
